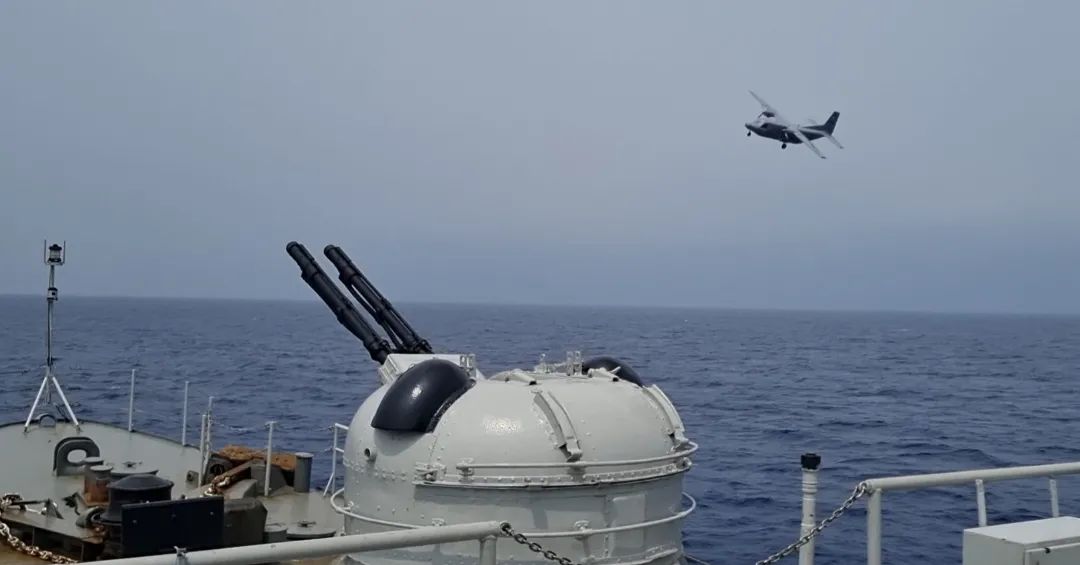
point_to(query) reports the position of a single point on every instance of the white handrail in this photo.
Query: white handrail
(930, 480)
(877, 487)
(482, 532)
(345, 510)
(675, 455)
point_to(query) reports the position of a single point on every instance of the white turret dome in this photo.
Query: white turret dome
(588, 465)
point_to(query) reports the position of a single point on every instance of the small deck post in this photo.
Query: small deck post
(810, 463)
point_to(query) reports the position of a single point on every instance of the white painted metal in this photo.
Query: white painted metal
(669, 457)
(206, 446)
(63, 398)
(334, 452)
(1054, 510)
(588, 463)
(37, 399)
(487, 551)
(333, 460)
(980, 500)
(1051, 540)
(873, 529)
(482, 532)
(809, 513)
(398, 363)
(202, 447)
(269, 456)
(51, 296)
(914, 482)
(183, 417)
(582, 531)
(131, 403)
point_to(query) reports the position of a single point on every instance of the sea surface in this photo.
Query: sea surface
(873, 393)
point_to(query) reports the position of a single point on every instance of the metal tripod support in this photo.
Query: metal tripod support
(54, 257)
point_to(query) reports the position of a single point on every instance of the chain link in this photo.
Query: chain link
(860, 490)
(535, 547)
(21, 546)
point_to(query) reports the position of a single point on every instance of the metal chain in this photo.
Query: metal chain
(860, 490)
(535, 547)
(21, 546)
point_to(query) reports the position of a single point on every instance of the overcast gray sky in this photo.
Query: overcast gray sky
(547, 152)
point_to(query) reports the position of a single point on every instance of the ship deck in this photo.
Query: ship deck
(27, 469)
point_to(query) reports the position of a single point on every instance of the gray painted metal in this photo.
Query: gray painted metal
(302, 475)
(30, 475)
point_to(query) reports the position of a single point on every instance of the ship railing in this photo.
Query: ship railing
(875, 490)
(485, 533)
(334, 452)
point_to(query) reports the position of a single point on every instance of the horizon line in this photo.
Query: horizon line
(513, 304)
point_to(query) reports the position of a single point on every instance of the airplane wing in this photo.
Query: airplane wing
(761, 101)
(806, 141)
(768, 107)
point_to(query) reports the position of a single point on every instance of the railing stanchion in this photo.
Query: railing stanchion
(487, 550)
(980, 495)
(131, 403)
(183, 417)
(1054, 510)
(333, 462)
(269, 456)
(202, 448)
(873, 528)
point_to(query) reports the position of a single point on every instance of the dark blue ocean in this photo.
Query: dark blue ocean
(873, 393)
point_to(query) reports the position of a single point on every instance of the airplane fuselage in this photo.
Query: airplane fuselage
(775, 131)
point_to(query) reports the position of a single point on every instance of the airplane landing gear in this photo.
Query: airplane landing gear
(747, 134)
(783, 146)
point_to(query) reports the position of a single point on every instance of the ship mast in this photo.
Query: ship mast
(54, 257)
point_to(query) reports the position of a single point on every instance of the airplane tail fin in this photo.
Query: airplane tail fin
(830, 124)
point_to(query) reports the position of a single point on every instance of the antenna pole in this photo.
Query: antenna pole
(54, 256)
(51, 296)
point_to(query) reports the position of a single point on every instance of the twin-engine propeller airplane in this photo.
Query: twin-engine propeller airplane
(772, 125)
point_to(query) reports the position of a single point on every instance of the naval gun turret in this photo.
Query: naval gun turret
(584, 457)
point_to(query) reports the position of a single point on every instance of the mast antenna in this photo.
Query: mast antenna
(54, 256)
